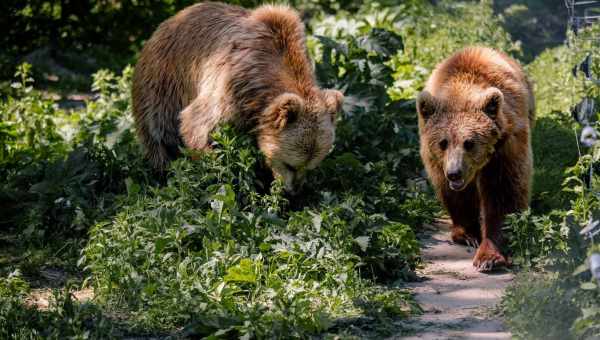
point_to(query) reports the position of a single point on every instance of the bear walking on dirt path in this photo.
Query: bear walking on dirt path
(475, 118)
(214, 63)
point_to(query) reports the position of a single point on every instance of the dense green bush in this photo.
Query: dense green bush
(536, 238)
(64, 169)
(208, 245)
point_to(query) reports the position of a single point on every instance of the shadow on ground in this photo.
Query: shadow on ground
(457, 300)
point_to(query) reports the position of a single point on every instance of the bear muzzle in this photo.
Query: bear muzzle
(455, 179)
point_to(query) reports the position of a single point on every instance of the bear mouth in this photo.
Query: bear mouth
(457, 185)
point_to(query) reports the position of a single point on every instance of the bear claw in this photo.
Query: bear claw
(459, 235)
(488, 257)
(472, 242)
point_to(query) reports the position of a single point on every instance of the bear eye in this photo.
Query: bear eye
(292, 116)
(468, 145)
(289, 167)
(444, 144)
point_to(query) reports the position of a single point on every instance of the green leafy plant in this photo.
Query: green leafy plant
(559, 298)
(207, 243)
(537, 238)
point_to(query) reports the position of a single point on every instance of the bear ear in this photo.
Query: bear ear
(334, 100)
(427, 104)
(492, 102)
(284, 110)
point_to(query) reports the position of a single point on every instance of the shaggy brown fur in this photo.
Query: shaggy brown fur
(214, 63)
(475, 117)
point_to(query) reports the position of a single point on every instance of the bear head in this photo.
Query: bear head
(461, 137)
(295, 133)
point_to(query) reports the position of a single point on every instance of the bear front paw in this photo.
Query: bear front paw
(488, 257)
(459, 235)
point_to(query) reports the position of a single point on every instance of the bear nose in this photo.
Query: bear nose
(454, 175)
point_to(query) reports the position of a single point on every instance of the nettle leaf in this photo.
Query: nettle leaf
(383, 42)
(354, 104)
(582, 268)
(216, 205)
(381, 73)
(330, 44)
(160, 244)
(363, 242)
(588, 286)
(224, 198)
(243, 272)
(317, 220)
(588, 312)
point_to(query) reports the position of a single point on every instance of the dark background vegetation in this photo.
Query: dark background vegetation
(81, 36)
(538, 24)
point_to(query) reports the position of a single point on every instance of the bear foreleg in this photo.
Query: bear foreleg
(198, 120)
(463, 207)
(503, 189)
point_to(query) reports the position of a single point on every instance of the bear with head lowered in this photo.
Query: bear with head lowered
(214, 63)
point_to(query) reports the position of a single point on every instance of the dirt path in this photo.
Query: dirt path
(457, 300)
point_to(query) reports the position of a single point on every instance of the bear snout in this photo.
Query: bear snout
(454, 175)
(455, 178)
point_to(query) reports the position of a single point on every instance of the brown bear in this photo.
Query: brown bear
(475, 117)
(214, 63)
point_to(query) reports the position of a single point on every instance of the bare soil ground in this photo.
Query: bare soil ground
(457, 300)
(41, 297)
